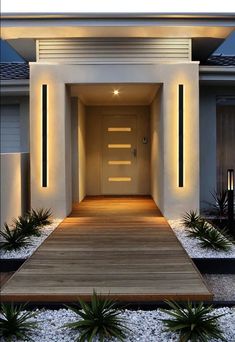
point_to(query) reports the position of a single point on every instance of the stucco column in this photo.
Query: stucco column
(178, 200)
(57, 194)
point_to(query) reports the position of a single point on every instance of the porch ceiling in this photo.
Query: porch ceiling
(103, 94)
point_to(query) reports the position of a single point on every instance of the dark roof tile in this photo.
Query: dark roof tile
(14, 71)
(221, 60)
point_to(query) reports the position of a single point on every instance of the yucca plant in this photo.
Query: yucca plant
(210, 237)
(41, 217)
(13, 239)
(14, 322)
(214, 239)
(27, 225)
(198, 229)
(100, 318)
(191, 218)
(219, 206)
(193, 322)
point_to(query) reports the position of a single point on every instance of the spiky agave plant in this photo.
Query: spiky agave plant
(14, 322)
(198, 229)
(214, 239)
(220, 205)
(41, 217)
(191, 218)
(100, 318)
(193, 322)
(13, 239)
(27, 225)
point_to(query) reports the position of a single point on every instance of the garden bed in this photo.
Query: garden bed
(192, 246)
(146, 326)
(35, 241)
(222, 286)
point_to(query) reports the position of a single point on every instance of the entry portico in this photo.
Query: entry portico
(171, 199)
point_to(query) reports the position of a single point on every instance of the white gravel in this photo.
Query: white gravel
(146, 326)
(192, 245)
(35, 242)
(221, 285)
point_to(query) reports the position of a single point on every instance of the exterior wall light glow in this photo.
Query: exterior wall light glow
(44, 135)
(230, 179)
(231, 225)
(180, 135)
(116, 92)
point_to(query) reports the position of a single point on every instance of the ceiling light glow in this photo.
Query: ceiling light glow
(116, 92)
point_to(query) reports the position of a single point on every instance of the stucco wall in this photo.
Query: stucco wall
(157, 160)
(14, 185)
(74, 146)
(81, 150)
(176, 200)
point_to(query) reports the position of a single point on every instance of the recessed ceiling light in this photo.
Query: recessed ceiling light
(116, 92)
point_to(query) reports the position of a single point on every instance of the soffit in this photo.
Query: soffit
(103, 94)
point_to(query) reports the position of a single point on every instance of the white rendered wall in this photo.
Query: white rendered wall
(55, 195)
(14, 181)
(74, 146)
(81, 150)
(176, 200)
(157, 153)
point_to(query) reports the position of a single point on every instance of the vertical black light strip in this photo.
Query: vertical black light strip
(44, 135)
(181, 136)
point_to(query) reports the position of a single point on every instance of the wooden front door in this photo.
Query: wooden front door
(119, 155)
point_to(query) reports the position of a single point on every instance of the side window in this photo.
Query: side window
(10, 128)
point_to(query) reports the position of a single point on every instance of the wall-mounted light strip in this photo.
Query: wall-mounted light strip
(181, 136)
(44, 135)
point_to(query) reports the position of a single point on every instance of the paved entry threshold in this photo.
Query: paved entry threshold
(120, 246)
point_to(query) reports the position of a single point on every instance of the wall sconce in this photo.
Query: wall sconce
(44, 135)
(230, 177)
(180, 135)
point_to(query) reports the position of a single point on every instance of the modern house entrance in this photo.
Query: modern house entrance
(111, 139)
(73, 159)
(117, 245)
(87, 59)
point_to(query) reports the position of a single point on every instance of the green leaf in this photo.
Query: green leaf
(99, 318)
(194, 322)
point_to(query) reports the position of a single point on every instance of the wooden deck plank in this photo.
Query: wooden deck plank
(117, 245)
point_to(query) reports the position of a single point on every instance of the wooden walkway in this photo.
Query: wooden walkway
(117, 245)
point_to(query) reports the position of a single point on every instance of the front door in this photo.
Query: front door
(119, 155)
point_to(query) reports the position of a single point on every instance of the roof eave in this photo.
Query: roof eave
(217, 74)
(112, 15)
(18, 87)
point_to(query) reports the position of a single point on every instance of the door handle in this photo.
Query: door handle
(134, 152)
